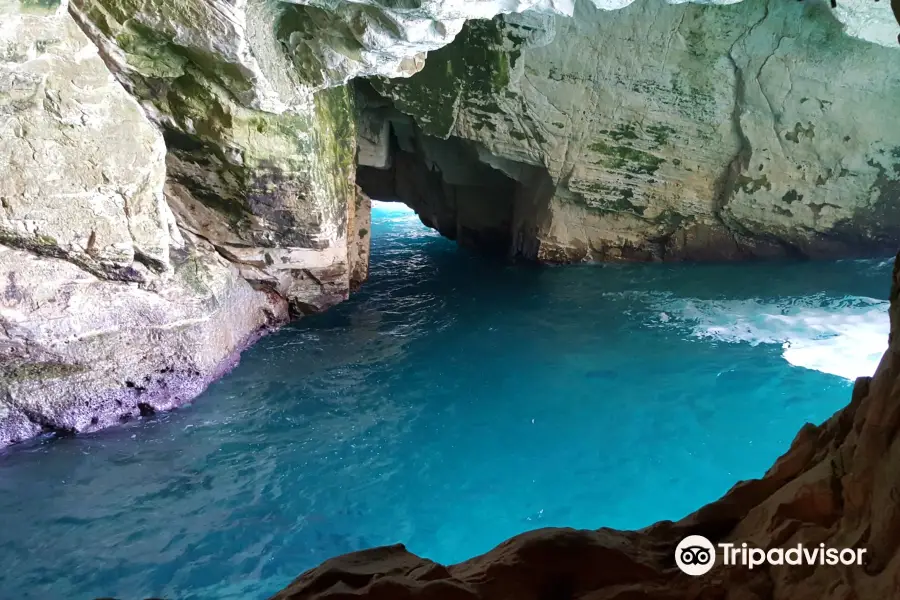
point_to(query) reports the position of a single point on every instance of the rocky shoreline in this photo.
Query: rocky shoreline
(120, 293)
(87, 411)
(85, 370)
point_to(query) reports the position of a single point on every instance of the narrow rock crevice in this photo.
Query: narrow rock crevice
(727, 183)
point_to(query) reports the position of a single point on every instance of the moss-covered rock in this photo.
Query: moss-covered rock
(468, 75)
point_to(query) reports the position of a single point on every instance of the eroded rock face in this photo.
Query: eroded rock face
(246, 207)
(323, 43)
(82, 170)
(107, 312)
(664, 142)
(258, 164)
(259, 125)
(81, 353)
(837, 485)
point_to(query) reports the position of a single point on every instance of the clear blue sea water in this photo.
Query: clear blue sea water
(452, 403)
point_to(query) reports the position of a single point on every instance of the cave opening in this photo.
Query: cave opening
(459, 188)
(451, 191)
(452, 401)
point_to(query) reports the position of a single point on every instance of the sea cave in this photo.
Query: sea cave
(449, 300)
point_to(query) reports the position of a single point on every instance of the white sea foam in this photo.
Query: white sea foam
(842, 336)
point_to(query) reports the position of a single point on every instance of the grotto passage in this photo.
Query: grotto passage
(436, 408)
(220, 154)
(180, 178)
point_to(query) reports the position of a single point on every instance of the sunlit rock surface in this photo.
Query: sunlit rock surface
(870, 21)
(635, 134)
(107, 312)
(322, 43)
(83, 170)
(837, 486)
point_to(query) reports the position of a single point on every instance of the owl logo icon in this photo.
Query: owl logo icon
(695, 555)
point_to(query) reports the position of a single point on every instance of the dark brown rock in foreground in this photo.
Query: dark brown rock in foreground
(839, 484)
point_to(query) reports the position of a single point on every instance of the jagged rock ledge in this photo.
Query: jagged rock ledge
(838, 485)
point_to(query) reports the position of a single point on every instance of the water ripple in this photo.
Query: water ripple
(452, 403)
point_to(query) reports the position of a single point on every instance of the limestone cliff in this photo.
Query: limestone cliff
(176, 176)
(637, 134)
(258, 165)
(837, 485)
(107, 312)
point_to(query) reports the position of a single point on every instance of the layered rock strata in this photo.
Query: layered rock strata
(107, 311)
(135, 265)
(637, 135)
(258, 165)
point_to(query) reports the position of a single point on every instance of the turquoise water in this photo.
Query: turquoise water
(453, 403)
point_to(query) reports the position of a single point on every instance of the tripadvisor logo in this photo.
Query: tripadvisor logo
(696, 555)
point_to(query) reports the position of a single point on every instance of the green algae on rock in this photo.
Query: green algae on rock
(639, 114)
(259, 164)
(107, 311)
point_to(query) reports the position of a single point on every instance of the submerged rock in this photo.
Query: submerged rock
(837, 486)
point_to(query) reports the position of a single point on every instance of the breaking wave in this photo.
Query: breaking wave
(841, 336)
